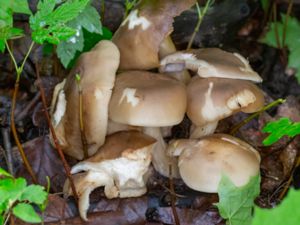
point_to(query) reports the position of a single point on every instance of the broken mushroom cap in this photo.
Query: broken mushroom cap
(120, 165)
(210, 62)
(212, 99)
(142, 32)
(147, 99)
(97, 70)
(203, 162)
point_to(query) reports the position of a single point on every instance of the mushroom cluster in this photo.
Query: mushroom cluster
(124, 114)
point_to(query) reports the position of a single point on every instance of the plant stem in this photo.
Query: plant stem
(173, 197)
(251, 117)
(81, 123)
(289, 10)
(55, 140)
(200, 19)
(12, 112)
(275, 25)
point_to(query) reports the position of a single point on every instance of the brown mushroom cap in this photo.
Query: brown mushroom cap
(119, 165)
(142, 32)
(147, 99)
(202, 164)
(97, 70)
(211, 62)
(212, 99)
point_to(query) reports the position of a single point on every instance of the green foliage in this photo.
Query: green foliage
(236, 203)
(278, 129)
(69, 52)
(292, 40)
(287, 213)
(49, 24)
(7, 9)
(265, 4)
(88, 19)
(17, 198)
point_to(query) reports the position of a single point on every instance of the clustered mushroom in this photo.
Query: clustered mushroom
(123, 117)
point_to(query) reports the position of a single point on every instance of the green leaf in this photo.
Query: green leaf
(1, 220)
(236, 203)
(21, 6)
(49, 24)
(35, 194)
(265, 4)
(278, 129)
(11, 189)
(287, 213)
(5, 173)
(292, 40)
(89, 19)
(26, 212)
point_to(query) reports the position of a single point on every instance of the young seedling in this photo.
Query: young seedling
(17, 199)
(200, 19)
(81, 123)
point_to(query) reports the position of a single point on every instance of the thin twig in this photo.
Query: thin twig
(8, 150)
(29, 106)
(200, 19)
(251, 117)
(275, 25)
(13, 106)
(55, 140)
(173, 197)
(288, 13)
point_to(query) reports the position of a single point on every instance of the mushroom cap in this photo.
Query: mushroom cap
(213, 99)
(120, 144)
(147, 99)
(211, 62)
(141, 33)
(119, 165)
(202, 165)
(97, 70)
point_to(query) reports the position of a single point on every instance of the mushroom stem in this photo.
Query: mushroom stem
(160, 159)
(167, 47)
(201, 131)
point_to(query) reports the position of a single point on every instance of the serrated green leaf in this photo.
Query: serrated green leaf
(66, 50)
(287, 213)
(35, 194)
(278, 129)
(26, 212)
(236, 203)
(11, 189)
(3, 172)
(89, 19)
(21, 6)
(49, 24)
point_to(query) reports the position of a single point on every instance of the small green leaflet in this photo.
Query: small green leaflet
(292, 40)
(5, 173)
(236, 203)
(49, 23)
(287, 213)
(26, 212)
(278, 129)
(89, 19)
(7, 31)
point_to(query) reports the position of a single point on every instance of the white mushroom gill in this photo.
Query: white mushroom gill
(210, 111)
(134, 20)
(129, 94)
(240, 100)
(60, 108)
